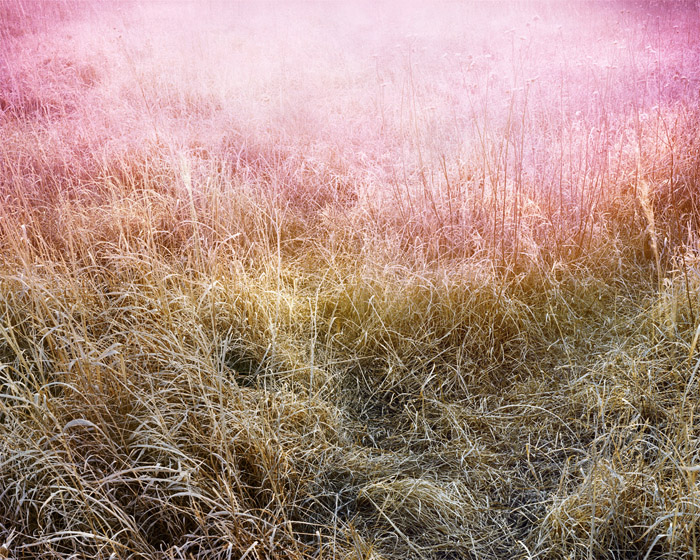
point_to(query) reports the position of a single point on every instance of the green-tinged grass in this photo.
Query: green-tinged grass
(274, 294)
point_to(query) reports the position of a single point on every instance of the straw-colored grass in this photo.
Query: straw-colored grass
(349, 281)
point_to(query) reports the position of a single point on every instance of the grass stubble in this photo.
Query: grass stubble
(385, 283)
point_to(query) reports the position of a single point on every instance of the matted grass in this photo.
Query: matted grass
(349, 281)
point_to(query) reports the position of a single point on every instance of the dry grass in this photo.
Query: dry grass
(268, 294)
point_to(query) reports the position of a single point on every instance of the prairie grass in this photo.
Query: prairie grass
(363, 281)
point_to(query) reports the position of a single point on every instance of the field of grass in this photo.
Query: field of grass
(349, 280)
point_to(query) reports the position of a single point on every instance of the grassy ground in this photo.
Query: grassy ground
(349, 281)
